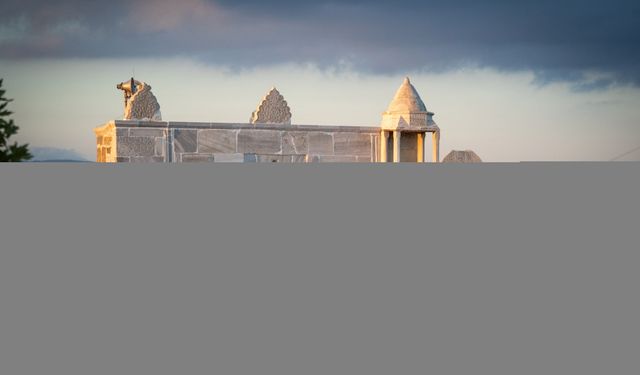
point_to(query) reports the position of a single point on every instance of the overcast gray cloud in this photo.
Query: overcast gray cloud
(593, 43)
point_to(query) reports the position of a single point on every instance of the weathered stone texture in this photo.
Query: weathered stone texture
(321, 143)
(146, 159)
(136, 146)
(352, 144)
(295, 143)
(196, 158)
(273, 109)
(259, 142)
(238, 144)
(332, 159)
(273, 158)
(159, 148)
(141, 104)
(185, 140)
(298, 158)
(217, 141)
(229, 158)
(143, 132)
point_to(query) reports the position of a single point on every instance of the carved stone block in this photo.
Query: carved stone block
(146, 132)
(185, 140)
(136, 146)
(217, 141)
(295, 143)
(320, 143)
(352, 144)
(259, 141)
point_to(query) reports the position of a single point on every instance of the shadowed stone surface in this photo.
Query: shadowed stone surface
(332, 159)
(259, 142)
(295, 143)
(298, 158)
(136, 146)
(217, 141)
(274, 158)
(321, 143)
(185, 140)
(146, 133)
(408, 147)
(196, 158)
(250, 158)
(122, 132)
(147, 159)
(229, 158)
(159, 148)
(352, 144)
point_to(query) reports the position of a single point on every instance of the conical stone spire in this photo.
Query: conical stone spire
(406, 110)
(407, 99)
(273, 109)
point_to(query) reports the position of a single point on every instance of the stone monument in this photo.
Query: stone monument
(269, 137)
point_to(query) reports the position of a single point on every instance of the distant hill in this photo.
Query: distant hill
(58, 155)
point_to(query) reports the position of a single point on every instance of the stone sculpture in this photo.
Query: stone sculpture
(139, 101)
(273, 109)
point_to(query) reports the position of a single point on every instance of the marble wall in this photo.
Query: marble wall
(152, 141)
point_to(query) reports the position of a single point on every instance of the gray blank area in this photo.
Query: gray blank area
(320, 269)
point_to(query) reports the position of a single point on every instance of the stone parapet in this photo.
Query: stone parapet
(163, 141)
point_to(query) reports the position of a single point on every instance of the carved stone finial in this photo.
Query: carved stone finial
(273, 109)
(140, 103)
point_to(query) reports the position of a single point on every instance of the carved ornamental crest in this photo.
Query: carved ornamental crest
(272, 110)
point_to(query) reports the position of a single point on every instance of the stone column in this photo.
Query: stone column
(396, 146)
(420, 148)
(435, 136)
(384, 138)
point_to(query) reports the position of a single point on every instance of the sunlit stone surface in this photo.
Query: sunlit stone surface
(139, 101)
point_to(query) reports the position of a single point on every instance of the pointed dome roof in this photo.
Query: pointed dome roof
(466, 156)
(407, 99)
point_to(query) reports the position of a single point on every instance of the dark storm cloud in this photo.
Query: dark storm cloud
(559, 40)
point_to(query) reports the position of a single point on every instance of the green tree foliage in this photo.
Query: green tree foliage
(9, 152)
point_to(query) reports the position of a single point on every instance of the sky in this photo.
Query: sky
(512, 80)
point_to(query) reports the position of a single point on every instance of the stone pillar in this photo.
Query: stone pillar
(384, 138)
(420, 148)
(396, 146)
(435, 136)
